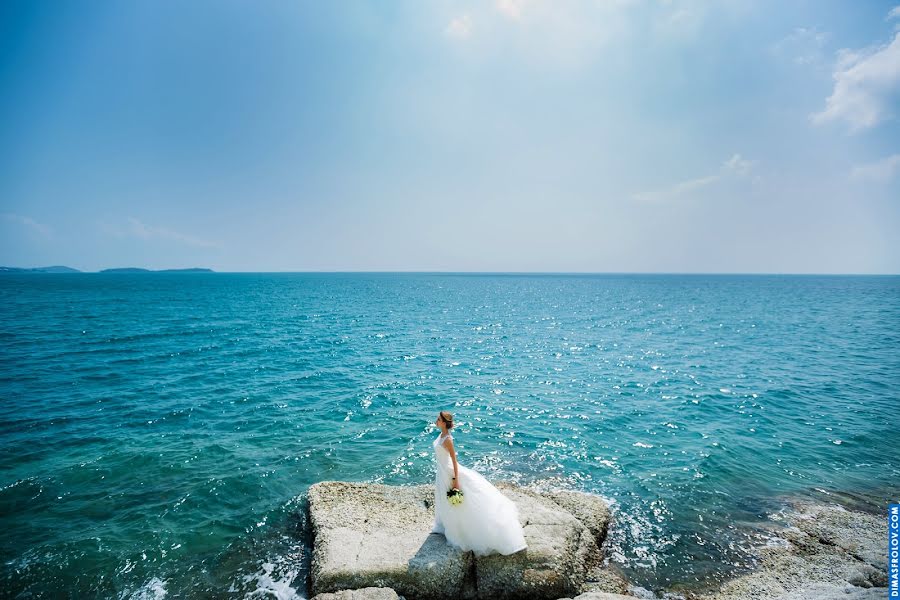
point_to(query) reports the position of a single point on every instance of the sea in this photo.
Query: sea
(159, 431)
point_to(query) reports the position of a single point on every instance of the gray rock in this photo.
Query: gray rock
(859, 534)
(823, 552)
(590, 509)
(560, 551)
(373, 535)
(605, 578)
(826, 591)
(369, 593)
(600, 596)
(641, 592)
(372, 542)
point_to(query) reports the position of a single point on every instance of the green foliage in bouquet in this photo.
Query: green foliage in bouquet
(455, 496)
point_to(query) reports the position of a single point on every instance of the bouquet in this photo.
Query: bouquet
(455, 496)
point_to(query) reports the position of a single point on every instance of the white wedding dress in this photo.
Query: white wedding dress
(485, 522)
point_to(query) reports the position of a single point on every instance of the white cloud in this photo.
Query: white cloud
(685, 21)
(460, 27)
(29, 223)
(136, 228)
(735, 167)
(510, 8)
(677, 190)
(895, 13)
(542, 9)
(558, 35)
(866, 88)
(576, 34)
(679, 20)
(881, 171)
(738, 166)
(804, 46)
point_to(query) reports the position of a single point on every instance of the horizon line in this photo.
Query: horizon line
(445, 272)
(432, 272)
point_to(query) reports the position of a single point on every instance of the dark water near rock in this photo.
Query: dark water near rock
(159, 431)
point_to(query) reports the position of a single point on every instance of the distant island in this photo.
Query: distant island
(140, 270)
(54, 269)
(62, 269)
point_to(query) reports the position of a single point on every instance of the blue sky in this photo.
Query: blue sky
(517, 135)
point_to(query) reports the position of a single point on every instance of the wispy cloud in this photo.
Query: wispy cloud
(866, 86)
(680, 20)
(881, 171)
(29, 223)
(804, 46)
(460, 27)
(574, 35)
(557, 35)
(135, 228)
(735, 167)
(510, 8)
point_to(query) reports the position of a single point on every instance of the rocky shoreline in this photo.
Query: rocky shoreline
(374, 542)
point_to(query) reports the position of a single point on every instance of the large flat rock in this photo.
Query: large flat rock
(369, 593)
(373, 535)
(560, 551)
(859, 534)
(600, 596)
(590, 509)
(822, 552)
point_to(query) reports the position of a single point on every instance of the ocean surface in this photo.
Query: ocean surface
(158, 432)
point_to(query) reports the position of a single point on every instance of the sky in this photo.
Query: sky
(673, 136)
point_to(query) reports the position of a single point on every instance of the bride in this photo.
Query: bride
(486, 521)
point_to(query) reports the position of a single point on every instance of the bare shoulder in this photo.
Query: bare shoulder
(448, 440)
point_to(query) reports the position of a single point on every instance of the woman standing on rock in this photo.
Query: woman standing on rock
(485, 521)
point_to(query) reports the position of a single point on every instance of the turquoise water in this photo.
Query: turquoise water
(159, 431)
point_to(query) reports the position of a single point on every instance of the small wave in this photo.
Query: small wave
(269, 586)
(154, 589)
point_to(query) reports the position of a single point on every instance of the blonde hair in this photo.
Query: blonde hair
(447, 417)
